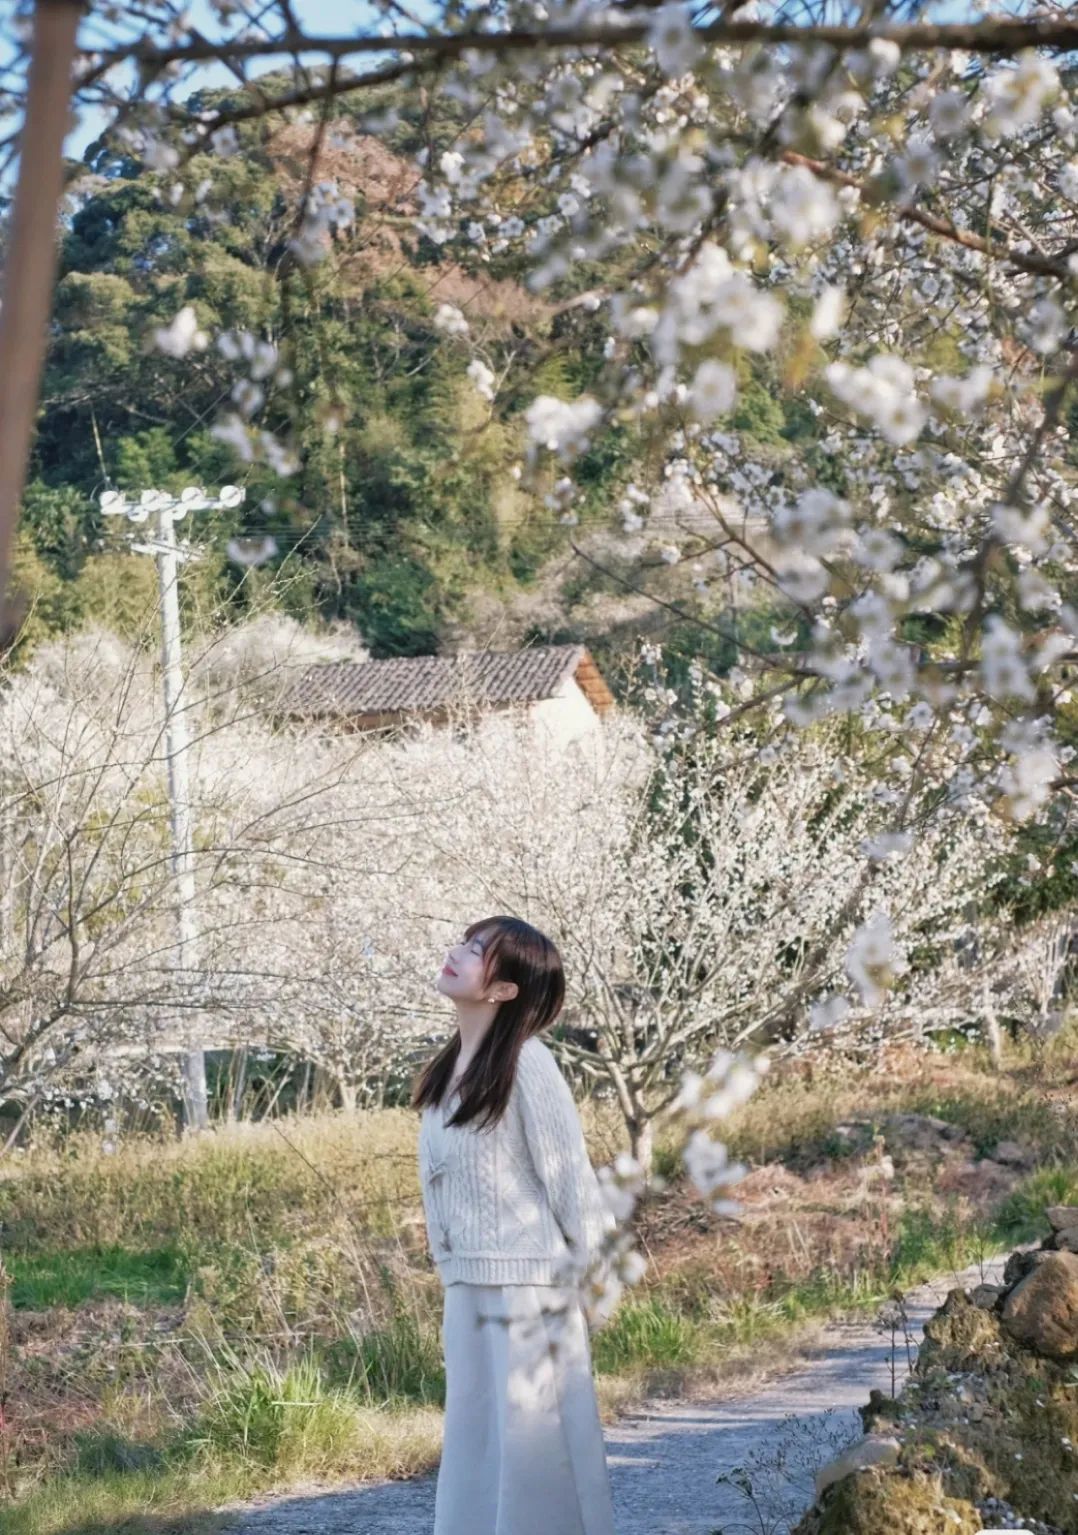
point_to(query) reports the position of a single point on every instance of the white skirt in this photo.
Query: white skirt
(523, 1451)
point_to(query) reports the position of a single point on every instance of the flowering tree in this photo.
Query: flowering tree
(879, 212)
(89, 945)
(730, 894)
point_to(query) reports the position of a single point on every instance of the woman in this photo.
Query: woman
(515, 1219)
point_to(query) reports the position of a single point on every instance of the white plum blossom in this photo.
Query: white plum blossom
(159, 155)
(709, 1167)
(562, 426)
(671, 35)
(891, 844)
(919, 165)
(828, 312)
(225, 141)
(236, 434)
(436, 205)
(251, 551)
(964, 393)
(1027, 526)
(1017, 93)
(816, 522)
(872, 960)
(803, 207)
(450, 320)
(711, 295)
(827, 1012)
(883, 390)
(737, 1077)
(482, 377)
(713, 390)
(450, 164)
(1027, 780)
(948, 113)
(801, 575)
(1005, 672)
(1045, 325)
(181, 335)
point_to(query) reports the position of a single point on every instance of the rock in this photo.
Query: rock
(1042, 1309)
(919, 1132)
(872, 1450)
(961, 1336)
(1066, 1240)
(983, 1183)
(1019, 1264)
(889, 1502)
(1062, 1217)
(1013, 1155)
(986, 1295)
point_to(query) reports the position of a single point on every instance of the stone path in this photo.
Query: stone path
(744, 1464)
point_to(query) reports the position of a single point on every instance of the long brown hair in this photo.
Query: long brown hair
(513, 951)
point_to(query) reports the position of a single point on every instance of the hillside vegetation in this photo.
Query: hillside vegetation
(404, 515)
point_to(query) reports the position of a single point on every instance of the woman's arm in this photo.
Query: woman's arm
(555, 1140)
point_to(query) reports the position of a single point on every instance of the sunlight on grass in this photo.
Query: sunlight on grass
(645, 1331)
(67, 1278)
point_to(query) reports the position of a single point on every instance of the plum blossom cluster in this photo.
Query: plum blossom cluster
(884, 391)
(919, 447)
(326, 210)
(892, 250)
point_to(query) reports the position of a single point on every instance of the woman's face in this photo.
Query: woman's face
(461, 977)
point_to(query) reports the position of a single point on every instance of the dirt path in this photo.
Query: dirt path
(665, 1459)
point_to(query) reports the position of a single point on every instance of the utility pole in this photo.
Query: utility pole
(167, 510)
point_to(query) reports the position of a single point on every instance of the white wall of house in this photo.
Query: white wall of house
(567, 716)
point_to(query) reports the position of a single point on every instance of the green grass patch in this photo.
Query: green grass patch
(1021, 1218)
(395, 1364)
(646, 1331)
(168, 1500)
(44, 1279)
(930, 1241)
(276, 1417)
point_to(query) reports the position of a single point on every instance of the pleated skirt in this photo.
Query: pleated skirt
(523, 1450)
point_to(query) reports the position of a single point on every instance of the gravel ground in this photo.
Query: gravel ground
(731, 1467)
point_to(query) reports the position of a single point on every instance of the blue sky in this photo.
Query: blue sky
(328, 17)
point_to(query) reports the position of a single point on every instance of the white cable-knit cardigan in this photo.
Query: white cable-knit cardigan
(519, 1203)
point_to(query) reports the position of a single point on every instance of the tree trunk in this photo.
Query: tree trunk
(239, 1082)
(30, 268)
(992, 1031)
(642, 1144)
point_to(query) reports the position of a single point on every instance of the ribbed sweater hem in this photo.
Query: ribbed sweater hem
(500, 1270)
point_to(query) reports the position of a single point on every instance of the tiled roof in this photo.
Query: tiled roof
(416, 684)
